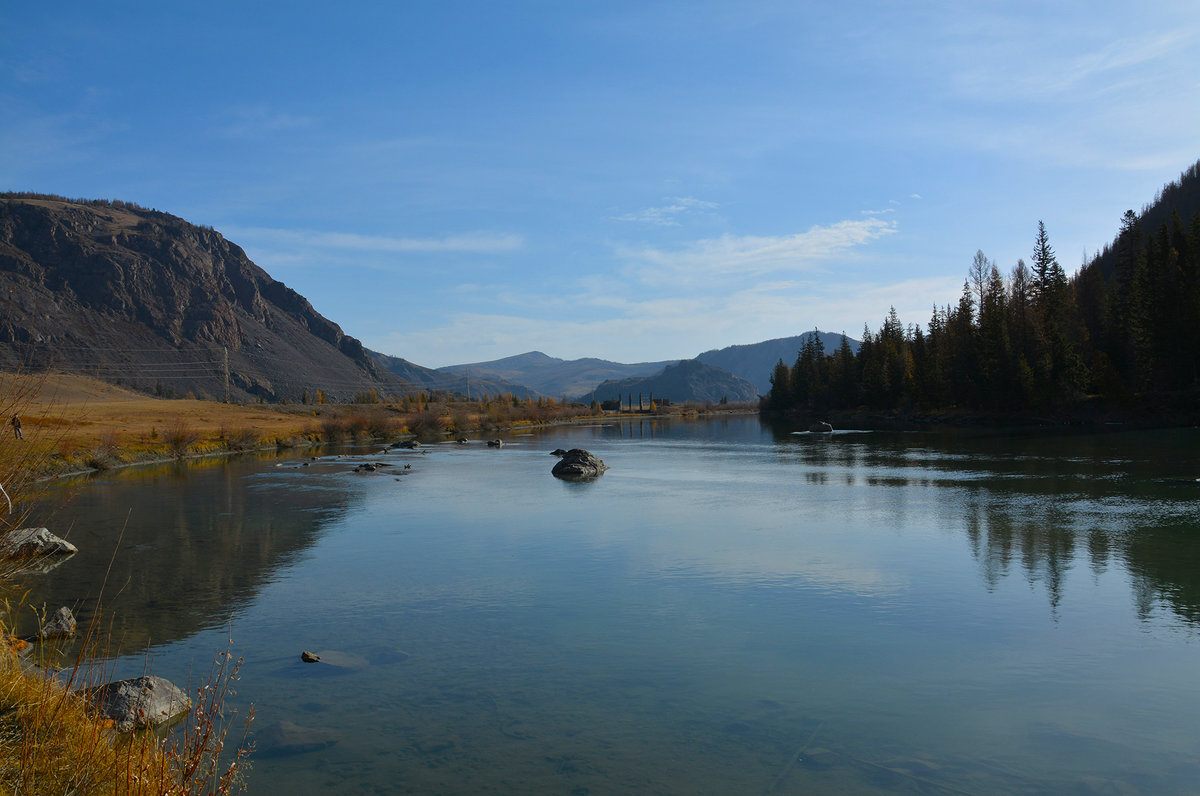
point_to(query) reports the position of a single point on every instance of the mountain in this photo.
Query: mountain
(471, 384)
(756, 362)
(689, 380)
(555, 377)
(144, 299)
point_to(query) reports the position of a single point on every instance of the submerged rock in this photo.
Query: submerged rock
(60, 625)
(286, 738)
(29, 542)
(145, 701)
(577, 464)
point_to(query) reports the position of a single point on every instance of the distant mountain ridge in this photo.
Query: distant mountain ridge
(688, 380)
(471, 385)
(553, 377)
(556, 377)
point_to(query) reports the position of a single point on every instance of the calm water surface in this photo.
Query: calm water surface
(730, 609)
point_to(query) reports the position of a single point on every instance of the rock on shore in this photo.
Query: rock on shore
(145, 701)
(30, 542)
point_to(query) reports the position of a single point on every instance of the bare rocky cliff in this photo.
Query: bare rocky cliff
(147, 300)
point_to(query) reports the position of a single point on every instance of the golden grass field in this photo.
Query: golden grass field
(83, 411)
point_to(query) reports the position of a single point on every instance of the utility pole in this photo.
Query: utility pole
(226, 350)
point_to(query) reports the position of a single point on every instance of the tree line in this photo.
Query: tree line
(1124, 328)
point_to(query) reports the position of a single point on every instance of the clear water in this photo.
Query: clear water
(730, 609)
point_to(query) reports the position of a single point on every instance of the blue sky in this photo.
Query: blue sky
(461, 181)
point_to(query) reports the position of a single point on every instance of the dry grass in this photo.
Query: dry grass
(51, 742)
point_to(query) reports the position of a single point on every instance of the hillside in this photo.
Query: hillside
(1178, 200)
(146, 300)
(755, 362)
(689, 380)
(554, 377)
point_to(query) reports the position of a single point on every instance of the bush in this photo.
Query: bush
(179, 437)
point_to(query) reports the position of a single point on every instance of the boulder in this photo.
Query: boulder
(145, 701)
(30, 542)
(558, 452)
(60, 625)
(821, 428)
(577, 464)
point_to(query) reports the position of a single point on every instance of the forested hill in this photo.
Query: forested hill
(1122, 334)
(1175, 203)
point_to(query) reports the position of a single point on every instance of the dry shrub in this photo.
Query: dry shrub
(179, 437)
(240, 439)
(357, 426)
(429, 422)
(106, 454)
(333, 428)
(380, 425)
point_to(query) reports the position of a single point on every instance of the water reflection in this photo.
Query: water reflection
(173, 549)
(1032, 500)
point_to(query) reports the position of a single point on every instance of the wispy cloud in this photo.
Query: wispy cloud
(467, 243)
(253, 121)
(668, 215)
(753, 255)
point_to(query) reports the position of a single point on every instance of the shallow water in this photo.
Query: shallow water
(730, 609)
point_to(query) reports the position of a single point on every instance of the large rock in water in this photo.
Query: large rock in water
(30, 542)
(145, 701)
(578, 463)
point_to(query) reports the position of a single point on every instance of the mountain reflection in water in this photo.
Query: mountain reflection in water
(190, 544)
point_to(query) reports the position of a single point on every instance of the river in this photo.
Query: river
(731, 608)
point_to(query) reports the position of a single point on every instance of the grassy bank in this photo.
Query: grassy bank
(73, 423)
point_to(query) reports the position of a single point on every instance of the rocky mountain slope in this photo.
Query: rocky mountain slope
(144, 299)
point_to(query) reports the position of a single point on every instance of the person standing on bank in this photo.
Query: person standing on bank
(16, 424)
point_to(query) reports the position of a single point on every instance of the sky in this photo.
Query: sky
(456, 181)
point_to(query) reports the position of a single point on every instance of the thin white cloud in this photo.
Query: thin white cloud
(253, 121)
(753, 255)
(668, 215)
(468, 243)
